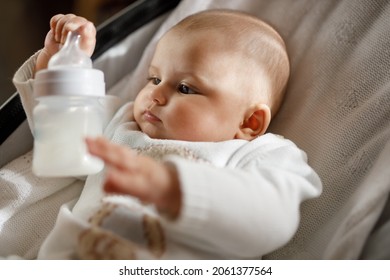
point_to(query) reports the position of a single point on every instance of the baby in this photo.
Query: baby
(196, 173)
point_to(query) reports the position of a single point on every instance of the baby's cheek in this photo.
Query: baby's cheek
(201, 130)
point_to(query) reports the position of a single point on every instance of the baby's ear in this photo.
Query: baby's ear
(255, 122)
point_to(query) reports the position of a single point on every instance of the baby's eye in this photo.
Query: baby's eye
(185, 89)
(154, 80)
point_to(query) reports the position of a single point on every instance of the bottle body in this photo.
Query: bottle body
(61, 124)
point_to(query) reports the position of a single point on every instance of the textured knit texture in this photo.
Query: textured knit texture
(337, 109)
(29, 206)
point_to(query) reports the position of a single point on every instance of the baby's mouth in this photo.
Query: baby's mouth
(150, 117)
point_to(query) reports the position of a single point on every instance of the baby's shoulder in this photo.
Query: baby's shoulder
(271, 139)
(267, 147)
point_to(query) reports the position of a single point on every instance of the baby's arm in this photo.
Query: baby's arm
(139, 176)
(60, 25)
(241, 212)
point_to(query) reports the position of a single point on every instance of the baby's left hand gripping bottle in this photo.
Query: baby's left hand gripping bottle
(69, 109)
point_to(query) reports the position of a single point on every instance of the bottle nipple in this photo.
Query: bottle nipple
(70, 54)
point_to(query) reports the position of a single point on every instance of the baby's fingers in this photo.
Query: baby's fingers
(62, 24)
(57, 25)
(122, 182)
(112, 154)
(54, 20)
(88, 37)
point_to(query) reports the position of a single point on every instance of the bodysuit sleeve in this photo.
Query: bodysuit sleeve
(23, 81)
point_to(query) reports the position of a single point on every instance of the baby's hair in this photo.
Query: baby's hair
(261, 42)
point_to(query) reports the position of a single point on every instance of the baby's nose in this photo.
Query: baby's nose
(159, 95)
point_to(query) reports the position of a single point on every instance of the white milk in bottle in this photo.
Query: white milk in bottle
(68, 111)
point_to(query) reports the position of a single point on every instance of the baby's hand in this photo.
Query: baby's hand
(60, 25)
(139, 176)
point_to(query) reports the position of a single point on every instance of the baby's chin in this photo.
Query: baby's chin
(157, 133)
(154, 133)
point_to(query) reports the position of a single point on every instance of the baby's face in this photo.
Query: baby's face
(195, 90)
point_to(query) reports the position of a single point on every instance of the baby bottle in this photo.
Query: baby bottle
(68, 111)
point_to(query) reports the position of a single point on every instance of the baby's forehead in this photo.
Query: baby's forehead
(213, 45)
(206, 39)
(206, 47)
